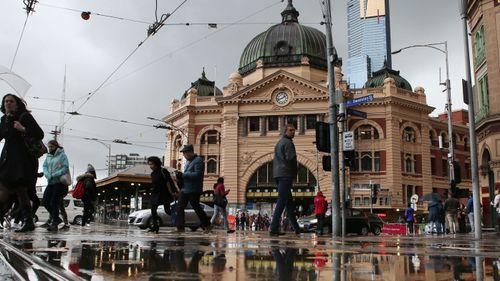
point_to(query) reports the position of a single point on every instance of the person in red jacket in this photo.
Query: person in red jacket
(320, 207)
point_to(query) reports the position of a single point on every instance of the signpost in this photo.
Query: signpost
(360, 100)
(348, 141)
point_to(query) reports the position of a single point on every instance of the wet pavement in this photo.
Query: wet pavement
(105, 252)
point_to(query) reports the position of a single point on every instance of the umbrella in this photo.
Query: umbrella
(432, 197)
(15, 81)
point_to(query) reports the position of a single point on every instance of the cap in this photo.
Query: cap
(187, 147)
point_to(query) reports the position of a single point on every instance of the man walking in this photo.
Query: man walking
(285, 171)
(451, 206)
(470, 212)
(192, 188)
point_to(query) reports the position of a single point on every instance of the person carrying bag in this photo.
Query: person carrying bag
(220, 203)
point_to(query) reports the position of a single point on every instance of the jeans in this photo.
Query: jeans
(52, 198)
(471, 221)
(223, 212)
(285, 200)
(194, 200)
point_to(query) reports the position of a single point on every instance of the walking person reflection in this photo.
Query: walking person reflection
(284, 262)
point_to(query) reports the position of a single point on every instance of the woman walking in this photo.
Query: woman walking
(17, 164)
(220, 203)
(55, 166)
(90, 193)
(163, 193)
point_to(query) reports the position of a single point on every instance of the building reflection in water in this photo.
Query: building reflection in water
(181, 260)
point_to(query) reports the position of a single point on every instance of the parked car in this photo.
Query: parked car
(356, 222)
(73, 207)
(143, 220)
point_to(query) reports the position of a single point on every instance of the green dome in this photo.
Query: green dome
(204, 87)
(285, 44)
(379, 76)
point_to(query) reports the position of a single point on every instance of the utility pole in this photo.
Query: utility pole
(332, 114)
(472, 129)
(55, 132)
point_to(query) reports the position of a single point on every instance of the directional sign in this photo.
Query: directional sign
(358, 113)
(348, 141)
(360, 100)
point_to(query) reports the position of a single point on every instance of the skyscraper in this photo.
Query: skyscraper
(367, 41)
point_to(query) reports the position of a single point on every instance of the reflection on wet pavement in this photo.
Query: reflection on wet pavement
(253, 256)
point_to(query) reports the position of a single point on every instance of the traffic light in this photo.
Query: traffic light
(349, 158)
(327, 163)
(323, 136)
(374, 188)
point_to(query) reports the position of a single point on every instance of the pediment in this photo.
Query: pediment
(265, 90)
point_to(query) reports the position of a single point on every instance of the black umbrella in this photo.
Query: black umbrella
(436, 197)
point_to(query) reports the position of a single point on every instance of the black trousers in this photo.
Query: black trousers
(154, 212)
(320, 224)
(88, 210)
(194, 200)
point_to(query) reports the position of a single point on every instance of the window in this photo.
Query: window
(433, 166)
(409, 135)
(444, 167)
(310, 122)
(292, 119)
(467, 171)
(431, 137)
(410, 163)
(366, 161)
(366, 201)
(210, 137)
(366, 132)
(377, 161)
(254, 124)
(273, 123)
(212, 164)
(444, 139)
(466, 144)
(454, 140)
(483, 97)
(479, 46)
(357, 201)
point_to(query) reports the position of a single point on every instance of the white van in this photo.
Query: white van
(74, 209)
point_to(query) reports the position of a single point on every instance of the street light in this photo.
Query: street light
(108, 146)
(448, 105)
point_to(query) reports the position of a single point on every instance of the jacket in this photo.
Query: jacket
(17, 165)
(55, 166)
(220, 190)
(320, 204)
(451, 206)
(409, 214)
(193, 176)
(470, 206)
(160, 193)
(90, 193)
(285, 159)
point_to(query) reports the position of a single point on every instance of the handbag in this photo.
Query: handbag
(35, 146)
(220, 201)
(65, 179)
(171, 189)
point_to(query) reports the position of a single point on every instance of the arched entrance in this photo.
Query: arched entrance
(489, 214)
(262, 192)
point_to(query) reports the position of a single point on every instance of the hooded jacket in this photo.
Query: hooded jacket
(90, 193)
(55, 166)
(320, 204)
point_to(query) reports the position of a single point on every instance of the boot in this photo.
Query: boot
(28, 224)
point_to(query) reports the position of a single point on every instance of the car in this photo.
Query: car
(356, 222)
(73, 207)
(143, 219)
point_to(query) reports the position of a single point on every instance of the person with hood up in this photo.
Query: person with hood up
(320, 207)
(90, 193)
(54, 167)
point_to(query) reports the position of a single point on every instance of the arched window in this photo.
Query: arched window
(409, 135)
(263, 178)
(366, 161)
(212, 166)
(444, 139)
(210, 137)
(410, 163)
(366, 132)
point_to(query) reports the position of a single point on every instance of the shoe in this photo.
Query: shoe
(231, 231)
(46, 224)
(28, 226)
(179, 230)
(52, 227)
(65, 227)
(273, 233)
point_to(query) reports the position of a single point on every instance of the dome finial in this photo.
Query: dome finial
(203, 74)
(290, 14)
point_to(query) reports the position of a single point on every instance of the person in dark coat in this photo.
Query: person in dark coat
(163, 191)
(18, 167)
(434, 208)
(90, 193)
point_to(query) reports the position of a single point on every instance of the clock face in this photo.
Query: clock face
(281, 98)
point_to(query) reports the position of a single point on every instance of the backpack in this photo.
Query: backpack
(79, 190)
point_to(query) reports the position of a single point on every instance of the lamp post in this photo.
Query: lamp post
(108, 146)
(451, 150)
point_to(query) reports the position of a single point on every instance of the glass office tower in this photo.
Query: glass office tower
(367, 47)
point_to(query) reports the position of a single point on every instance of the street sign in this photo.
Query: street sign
(348, 141)
(360, 100)
(358, 113)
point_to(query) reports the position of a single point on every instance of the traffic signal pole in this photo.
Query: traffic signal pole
(332, 114)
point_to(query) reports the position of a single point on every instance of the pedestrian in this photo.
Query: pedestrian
(284, 172)
(461, 218)
(243, 220)
(90, 193)
(410, 218)
(434, 208)
(320, 207)
(496, 205)
(192, 189)
(54, 167)
(469, 210)
(163, 192)
(451, 206)
(18, 166)
(220, 203)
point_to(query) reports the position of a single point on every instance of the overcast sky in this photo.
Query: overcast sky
(165, 65)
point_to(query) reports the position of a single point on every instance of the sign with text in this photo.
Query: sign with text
(360, 100)
(348, 141)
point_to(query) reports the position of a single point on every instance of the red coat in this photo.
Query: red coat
(320, 204)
